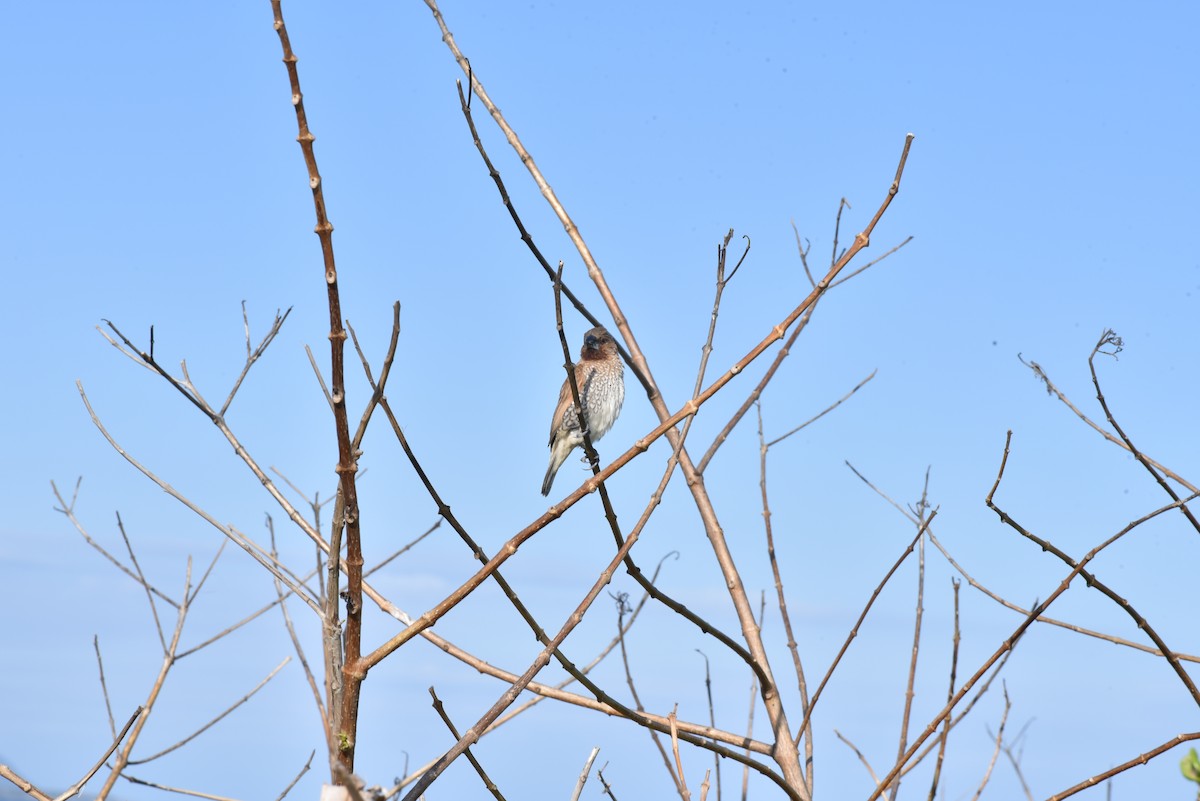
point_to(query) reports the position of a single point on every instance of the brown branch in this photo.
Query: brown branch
(78, 786)
(712, 716)
(345, 711)
(141, 578)
(583, 774)
(942, 741)
(487, 782)
(1140, 759)
(296, 780)
(780, 597)
(863, 760)
(386, 371)
(613, 643)
(1015, 760)
(918, 618)
(253, 355)
(995, 751)
(1109, 338)
(722, 282)
(683, 790)
(762, 614)
(837, 227)
(473, 734)
(436, 525)
(281, 596)
(1052, 389)
(23, 784)
(824, 411)
(1099, 635)
(607, 787)
(179, 790)
(843, 279)
(112, 723)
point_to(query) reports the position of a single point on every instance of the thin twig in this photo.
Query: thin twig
(871, 771)
(1010, 642)
(607, 787)
(141, 578)
(637, 701)
(863, 616)
(762, 612)
(253, 356)
(215, 720)
(296, 780)
(179, 790)
(1140, 759)
(291, 630)
(1110, 339)
(68, 509)
(712, 717)
(944, 739)
(74, 789)
(122, 757)
(583, 774)
(987, 775)
(1015, 761)
(487, 781)
(683, 790)
(918, 618)
(780, 597)
(112, 723)
(824, 411)
(1052, 389)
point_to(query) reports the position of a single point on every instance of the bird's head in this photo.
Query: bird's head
(597, 344)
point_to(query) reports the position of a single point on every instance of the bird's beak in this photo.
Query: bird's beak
(592, 343)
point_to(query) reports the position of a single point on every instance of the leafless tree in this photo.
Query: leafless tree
(336, 588)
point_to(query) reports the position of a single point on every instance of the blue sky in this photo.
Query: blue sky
(153, 179)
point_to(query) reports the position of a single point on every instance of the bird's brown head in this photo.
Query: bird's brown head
(597, 344)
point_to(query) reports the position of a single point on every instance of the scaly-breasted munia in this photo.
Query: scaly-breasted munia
(600, 377)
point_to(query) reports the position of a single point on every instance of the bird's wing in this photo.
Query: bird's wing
(564, 403)
(563, 412)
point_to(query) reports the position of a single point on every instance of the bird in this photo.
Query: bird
(600, 377)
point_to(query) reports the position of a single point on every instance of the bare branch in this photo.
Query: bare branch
(215, 720)
(1140, 759)
(583, 774)
(996, 751)
(75, 789)
(487, 782)
(1110, 339)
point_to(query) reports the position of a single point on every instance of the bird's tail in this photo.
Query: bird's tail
(548, 481)
(560, 448)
